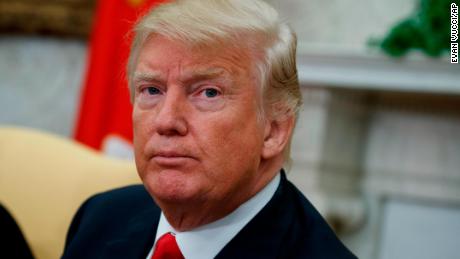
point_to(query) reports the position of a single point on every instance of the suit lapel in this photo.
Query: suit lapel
(138, 238)
(263, 235)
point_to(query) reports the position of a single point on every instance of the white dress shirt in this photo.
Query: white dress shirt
(206, 241)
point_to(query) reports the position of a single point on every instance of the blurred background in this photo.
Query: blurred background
(377, 145)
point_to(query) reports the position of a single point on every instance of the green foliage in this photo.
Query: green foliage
(427, 30)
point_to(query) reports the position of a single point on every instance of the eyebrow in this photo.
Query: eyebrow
(192, 75)
(200, 74)
(147, 77)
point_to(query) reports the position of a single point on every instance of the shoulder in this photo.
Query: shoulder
(134, 195)
(115, 202)
(118, 203)
(105, 214)
(287, 227)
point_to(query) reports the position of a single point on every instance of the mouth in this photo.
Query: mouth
(171, 159)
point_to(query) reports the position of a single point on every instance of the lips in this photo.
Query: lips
(171, 158)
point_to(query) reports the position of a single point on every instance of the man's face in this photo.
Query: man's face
(197, 135)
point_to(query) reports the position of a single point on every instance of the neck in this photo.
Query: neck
(189, 215)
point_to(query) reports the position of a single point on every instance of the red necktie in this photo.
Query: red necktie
(166, 248)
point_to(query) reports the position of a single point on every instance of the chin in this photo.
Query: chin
(171, 186)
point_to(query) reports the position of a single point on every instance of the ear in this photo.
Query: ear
(276, 136)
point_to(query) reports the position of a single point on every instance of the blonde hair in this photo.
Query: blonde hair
(249, 24)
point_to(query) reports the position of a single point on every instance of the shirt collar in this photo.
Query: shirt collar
(206, 241)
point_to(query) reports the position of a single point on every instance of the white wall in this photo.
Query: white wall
(40, 80)
(419, 230)
(342, 24)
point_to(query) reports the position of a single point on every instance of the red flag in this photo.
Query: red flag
(105, 109)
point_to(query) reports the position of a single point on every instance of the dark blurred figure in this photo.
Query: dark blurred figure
(12, 243)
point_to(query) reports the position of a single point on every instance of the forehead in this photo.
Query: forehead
(159, 56)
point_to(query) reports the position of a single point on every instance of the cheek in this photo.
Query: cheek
(137, 129)
(232, 141)
(140, 136)
(142, 123)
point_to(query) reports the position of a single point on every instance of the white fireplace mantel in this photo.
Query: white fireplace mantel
(347, 69)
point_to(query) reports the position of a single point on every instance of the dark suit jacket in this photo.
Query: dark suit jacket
(12, 242)
(122, 224)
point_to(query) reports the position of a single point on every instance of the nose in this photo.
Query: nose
(170, 119)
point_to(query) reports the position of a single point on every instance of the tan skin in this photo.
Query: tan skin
(200, 148)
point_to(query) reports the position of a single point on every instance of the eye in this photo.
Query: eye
(152, 90)
(210, 92)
